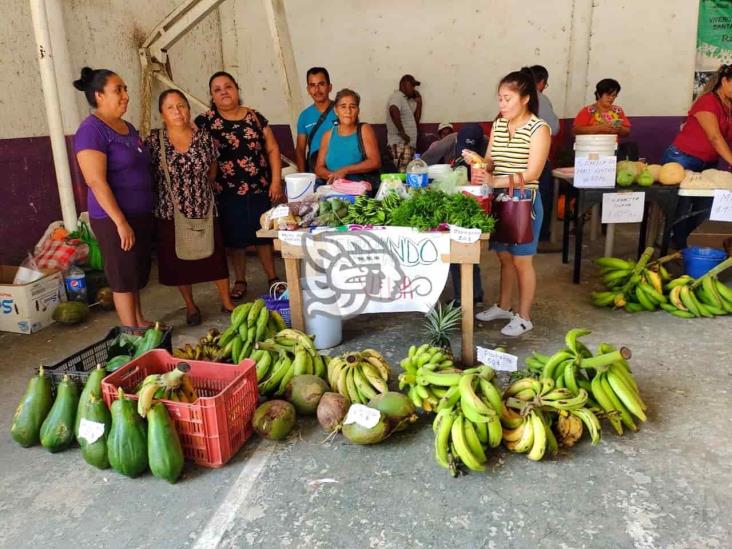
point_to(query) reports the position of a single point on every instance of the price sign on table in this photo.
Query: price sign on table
(594, 173)
(501, 362)
(466, 236)
(721, 206)
(623, 207)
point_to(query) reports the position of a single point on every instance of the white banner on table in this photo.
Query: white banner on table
(394, 269)
(721, 206)
(594, 173)
(623, 207)
(499, 361)
(463, 235)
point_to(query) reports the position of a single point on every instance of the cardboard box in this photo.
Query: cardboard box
(27, 308)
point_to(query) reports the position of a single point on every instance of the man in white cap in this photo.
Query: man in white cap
(444, 129)
(443, 150)
(403, 113)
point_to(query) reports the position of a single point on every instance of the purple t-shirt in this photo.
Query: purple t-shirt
(128, 166)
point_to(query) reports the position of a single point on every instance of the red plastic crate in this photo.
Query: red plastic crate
(213, 428)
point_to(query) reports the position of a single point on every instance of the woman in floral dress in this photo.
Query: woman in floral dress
(190, 154)
(248, 179)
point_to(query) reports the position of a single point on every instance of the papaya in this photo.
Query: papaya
(92, 438)
(164, 452)
(32, 410)
(117, 362)
(57, 431)
(127, 441)
(93, 386)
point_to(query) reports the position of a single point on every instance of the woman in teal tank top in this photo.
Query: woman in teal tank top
(349, 150)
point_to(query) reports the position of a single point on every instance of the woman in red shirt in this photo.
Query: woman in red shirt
(603, 116)
(704, 139)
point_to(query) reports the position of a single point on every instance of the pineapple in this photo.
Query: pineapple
(440, 323)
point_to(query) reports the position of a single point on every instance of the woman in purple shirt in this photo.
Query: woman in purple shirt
(116, 167)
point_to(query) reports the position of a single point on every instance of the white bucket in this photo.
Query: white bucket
(601, 145)
(299, 185)
(327, 329)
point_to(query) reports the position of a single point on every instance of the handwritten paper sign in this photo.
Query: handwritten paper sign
(623, 207)
(283, 210)
(363, 415)
(594, 173)
(293, 238)
(501, 362)
(721, 206)
(466, 236)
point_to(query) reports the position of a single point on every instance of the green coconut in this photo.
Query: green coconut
(358, 434)
(397, 407)
(105, 298)
(304, 392)
(274, 419)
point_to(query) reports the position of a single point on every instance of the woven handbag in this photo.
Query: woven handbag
(194, 238)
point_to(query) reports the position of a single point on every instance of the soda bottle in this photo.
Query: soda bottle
(75, 282)
(417, 173)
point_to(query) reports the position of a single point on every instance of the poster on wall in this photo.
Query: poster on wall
(713, 40)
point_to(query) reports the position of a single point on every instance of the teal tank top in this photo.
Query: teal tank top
(342, 150)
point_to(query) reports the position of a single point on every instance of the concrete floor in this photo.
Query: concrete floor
(666, 486)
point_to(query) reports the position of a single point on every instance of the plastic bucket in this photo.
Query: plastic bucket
(698, 261)
(327, 329)
(299, 185)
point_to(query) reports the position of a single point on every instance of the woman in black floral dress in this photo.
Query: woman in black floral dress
(249, 178)
(191, 157)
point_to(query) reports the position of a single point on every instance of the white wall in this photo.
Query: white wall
(459, 50)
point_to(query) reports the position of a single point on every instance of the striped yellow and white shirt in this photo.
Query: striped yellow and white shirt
(511, 154)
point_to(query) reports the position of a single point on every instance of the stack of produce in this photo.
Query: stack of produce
(605, 379)
(333, 212)
(645, 175)
(287, 354)
(646, 286)
(359, 376)
(427, 370)
(125, 347)
(250, 323)
(174, 385)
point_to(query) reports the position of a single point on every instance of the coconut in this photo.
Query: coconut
(105, 298)
(304, 392)
(397, 407)
(358, 434)
(274, 419)
(332, 410)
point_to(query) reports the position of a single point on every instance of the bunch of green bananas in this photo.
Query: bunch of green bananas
(468, 420)
(359, 376)
(633, 286)
(706, 296)
(206, 349)
(424, 368)
(287, 354)
(174, 385)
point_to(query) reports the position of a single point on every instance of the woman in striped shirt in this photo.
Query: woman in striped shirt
(518, 149)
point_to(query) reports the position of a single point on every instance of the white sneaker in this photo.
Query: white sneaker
(494, 313)
(518, 326)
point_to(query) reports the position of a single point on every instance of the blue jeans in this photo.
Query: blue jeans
(685, 220)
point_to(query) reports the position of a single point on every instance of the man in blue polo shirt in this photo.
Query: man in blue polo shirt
(314, 121)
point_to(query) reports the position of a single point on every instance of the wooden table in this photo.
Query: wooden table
(465, 255)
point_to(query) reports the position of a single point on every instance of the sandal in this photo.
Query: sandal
(194, 318)
(238, 294)
(224, 309)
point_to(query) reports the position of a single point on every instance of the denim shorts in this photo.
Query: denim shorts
(672, 154)
(537, 215)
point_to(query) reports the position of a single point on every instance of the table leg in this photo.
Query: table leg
(643, 231)
(578, 230)
(609, 239)
(466, 298)
(292, 272)
(565, 233)
(595, 222)
(553, 223)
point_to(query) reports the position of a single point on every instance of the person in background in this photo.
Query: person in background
(315, 120)
(116, 166)
(443, 150)
(404, 111)
(190, 156)
(349, 150)
(546, 183)
(704, 138)
(248, 179)
(518, 149)
(603, 116)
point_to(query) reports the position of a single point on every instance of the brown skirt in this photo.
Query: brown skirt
(125, 271)
(173, 271)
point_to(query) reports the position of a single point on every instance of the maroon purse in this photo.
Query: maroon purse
(514, 215)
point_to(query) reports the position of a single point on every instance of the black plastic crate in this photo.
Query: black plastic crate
(81, 363)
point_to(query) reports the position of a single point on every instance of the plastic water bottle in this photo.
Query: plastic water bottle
(417, 171)
(75, 282)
